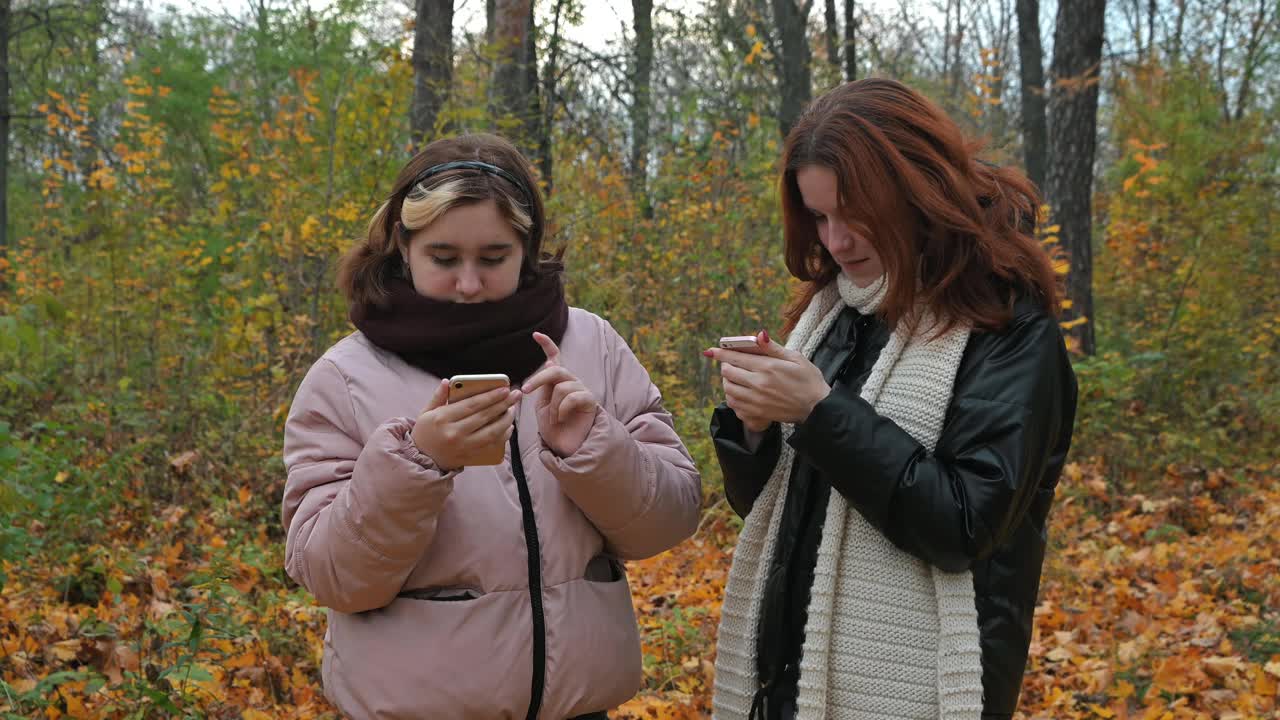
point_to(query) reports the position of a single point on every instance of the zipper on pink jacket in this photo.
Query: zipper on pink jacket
(535, 580)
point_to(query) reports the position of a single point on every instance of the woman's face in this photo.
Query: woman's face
(858, 259)
(470, 254)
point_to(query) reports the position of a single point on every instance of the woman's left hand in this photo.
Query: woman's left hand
(566, 409)
(778, 385)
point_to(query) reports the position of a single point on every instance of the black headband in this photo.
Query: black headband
(475, 165)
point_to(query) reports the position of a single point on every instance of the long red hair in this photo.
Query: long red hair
(956, 235)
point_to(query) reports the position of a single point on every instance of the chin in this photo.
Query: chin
(861, 277)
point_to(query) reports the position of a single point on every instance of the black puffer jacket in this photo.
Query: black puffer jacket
(980, 501)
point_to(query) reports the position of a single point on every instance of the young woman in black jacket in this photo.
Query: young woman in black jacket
(895, 462)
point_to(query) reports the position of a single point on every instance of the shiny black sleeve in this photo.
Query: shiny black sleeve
(745, 472)
(1008, 425)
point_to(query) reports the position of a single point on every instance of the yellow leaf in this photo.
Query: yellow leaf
(65, 650)
(1074, 323)
(1222, 667)
(248, 659)
(1265, 683)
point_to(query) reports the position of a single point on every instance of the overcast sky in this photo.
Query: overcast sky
(602, 20)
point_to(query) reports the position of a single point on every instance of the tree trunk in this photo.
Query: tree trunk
(1073, 119)
(640, 103)
(1031, 67)
(832, 35)
(1175, 47)
(850, 42)
(262, 40)
(91, 33)
(1252, 57)
(793, 64)
(999, 113)
(432, 66)
(1151, 30)
(4, 131)
(515, 86)
(1222, 61)
(548, 101)
(957, 60)
(532, 99)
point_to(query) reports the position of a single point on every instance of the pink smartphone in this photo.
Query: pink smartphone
(741, 343)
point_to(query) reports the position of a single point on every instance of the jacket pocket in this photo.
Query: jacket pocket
(447, 594)
(593, 647)
(415, 659)
(603, 569)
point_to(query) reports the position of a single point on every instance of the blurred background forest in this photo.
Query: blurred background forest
(179, 182)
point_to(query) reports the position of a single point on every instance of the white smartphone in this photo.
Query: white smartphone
(462, 387)
(741, 343)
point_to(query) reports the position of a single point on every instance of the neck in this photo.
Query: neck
(865, 299)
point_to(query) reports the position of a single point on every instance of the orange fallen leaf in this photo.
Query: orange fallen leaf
(65, 650)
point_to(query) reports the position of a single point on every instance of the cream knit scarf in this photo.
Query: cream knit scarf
(887, 636)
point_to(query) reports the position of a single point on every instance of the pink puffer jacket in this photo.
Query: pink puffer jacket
(427, 574)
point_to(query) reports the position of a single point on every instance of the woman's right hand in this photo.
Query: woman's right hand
(448, 432)
(733, 394)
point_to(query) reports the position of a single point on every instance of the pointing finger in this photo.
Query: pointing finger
(549, 347)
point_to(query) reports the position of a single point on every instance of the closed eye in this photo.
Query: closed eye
(493, 261)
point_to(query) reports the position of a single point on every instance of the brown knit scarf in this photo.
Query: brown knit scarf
(447, 338)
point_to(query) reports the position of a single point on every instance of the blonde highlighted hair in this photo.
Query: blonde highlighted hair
(424, 206)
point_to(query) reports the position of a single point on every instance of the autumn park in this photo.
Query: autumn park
(178, 184)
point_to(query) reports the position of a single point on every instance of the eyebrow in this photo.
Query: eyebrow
(489, 247)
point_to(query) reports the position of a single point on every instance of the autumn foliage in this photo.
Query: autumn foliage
(169, 287)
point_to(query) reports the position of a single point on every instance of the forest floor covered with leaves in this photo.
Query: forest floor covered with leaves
(179, 190)
(1159, 606)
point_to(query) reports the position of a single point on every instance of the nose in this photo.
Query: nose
(468, 284)
(838, 237)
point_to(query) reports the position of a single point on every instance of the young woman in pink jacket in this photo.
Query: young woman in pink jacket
(468, 591)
